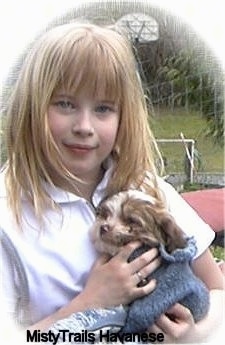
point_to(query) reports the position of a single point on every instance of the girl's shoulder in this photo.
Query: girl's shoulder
(165, 186)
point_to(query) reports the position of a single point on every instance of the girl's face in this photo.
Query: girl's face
(84, 129)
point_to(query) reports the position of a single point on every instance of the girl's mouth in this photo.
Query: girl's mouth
(80, 149)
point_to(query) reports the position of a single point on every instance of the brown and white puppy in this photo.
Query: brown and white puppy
(132, 215)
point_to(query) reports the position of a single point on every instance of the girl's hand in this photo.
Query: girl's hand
(177, 325)
(115, 281)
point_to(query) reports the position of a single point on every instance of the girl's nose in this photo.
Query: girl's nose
(82, 125)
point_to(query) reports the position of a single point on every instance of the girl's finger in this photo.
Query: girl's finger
(177, 321)
(127, 250)
(180, 312)
(148, 269)
(101, 260)
(140, 291)
(145, 260)
(154, 329)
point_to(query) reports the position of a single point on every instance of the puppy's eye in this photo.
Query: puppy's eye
(133, 221)
(98, 212)
(102, 212)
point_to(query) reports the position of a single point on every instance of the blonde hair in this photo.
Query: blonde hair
(75, 57)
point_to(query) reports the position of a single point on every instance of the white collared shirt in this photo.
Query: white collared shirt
(58, 259)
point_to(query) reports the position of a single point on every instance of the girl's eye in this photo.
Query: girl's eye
(64, 104)
(104, 109)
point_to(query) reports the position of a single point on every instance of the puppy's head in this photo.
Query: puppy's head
(130, 216)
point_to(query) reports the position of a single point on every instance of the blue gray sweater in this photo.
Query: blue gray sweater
(176, 282)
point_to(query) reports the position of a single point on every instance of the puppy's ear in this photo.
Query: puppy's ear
(172, 235)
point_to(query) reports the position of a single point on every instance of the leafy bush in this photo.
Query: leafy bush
(196, 87)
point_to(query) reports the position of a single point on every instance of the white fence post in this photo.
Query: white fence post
(189, 152)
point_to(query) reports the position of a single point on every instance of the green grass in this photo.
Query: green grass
(218, 252)
(166, 125)
(169, 126)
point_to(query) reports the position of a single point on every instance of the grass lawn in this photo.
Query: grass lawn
(168, 126)
(218, 252)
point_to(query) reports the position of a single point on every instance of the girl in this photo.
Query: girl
(78, 132)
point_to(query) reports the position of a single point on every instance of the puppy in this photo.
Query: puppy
(132, 215)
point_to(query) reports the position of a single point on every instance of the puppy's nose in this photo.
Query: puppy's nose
(104, 228)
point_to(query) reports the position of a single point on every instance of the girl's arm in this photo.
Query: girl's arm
(110, 283)
(209, 272)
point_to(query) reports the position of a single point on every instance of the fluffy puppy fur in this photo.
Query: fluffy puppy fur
(132, 215)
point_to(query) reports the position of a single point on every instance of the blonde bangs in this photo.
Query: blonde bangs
(88, 64)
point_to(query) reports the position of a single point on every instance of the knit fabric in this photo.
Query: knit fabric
(176, 282)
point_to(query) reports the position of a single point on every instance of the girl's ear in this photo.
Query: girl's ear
(171, 233)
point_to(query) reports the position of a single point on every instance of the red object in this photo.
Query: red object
(210, 206)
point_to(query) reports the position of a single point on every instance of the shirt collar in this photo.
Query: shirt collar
(61, 196)
(99, 192)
